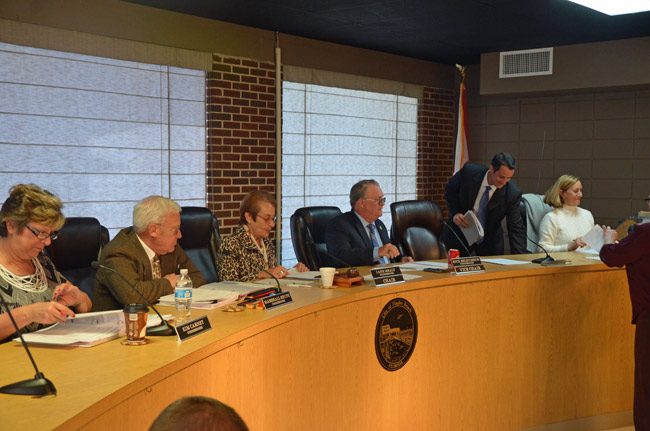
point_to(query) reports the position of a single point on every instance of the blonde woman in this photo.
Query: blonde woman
(562, 228)
(35, 291)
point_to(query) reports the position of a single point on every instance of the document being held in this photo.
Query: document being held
(473, 232)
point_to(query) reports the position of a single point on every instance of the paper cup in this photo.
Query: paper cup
(135, 318)
(327, 277)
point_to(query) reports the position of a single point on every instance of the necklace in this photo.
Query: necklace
(261, 247)
(35, 283)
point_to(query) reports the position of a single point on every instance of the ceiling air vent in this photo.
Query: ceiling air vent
(529, 62)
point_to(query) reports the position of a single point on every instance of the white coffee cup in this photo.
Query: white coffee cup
(327, 277)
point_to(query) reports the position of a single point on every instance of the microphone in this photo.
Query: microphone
(38, 386)
(542, 260)
(164, 328)
(277, 282)
(465, 249)
(352, 271)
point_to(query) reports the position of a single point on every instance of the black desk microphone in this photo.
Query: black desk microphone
(465, 249)
(38, 386)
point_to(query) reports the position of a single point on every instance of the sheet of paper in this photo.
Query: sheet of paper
(595, 238)
(587, 250)
(502, 261)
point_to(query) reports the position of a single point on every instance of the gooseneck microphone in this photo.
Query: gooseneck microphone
(277, 282)
(352, 271)
(163, 329)
(39, 386)
(541, 260)
(465, 249)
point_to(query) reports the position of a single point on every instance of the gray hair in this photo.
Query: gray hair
(358, 191)
(152, 210)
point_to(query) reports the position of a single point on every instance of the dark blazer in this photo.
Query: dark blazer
(347, 239)
(125, 254)
(460, 194)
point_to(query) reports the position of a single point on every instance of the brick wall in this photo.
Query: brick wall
(241, 134)
(436, 143)
(241, 137)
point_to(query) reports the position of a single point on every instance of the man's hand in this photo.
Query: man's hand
(460, 220)
(172, 278)
(388, 250)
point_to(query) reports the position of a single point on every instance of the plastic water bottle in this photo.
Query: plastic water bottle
(183, 297)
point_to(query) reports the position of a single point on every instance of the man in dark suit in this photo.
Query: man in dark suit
(146, 255)
(501, 198)
(358, 237)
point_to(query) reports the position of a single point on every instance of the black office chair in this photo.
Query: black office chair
(79, 243)
(421, 244)
(308, 235)
(422, 214)
(201, 239)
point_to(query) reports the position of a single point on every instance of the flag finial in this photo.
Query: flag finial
(461, 69)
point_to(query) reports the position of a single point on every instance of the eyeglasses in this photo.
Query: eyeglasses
(173, 229)
(380, 201)
(42, 235)
(268, 218)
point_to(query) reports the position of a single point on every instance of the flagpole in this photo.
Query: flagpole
(461, 156)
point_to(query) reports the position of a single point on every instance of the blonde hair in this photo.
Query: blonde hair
(29, 202)
(553, 195)
(151, 210)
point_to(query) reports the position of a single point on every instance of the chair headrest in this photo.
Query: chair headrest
(316, 219)
(421, 213)
(79, 242)
(198, 224)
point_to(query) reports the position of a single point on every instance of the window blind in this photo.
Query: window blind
(333, 137)
(101, 133)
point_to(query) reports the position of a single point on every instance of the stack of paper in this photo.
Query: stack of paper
(473, 232)
(83, 330)
(215, 295)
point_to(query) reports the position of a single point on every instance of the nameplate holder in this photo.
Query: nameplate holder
(193, 328)
(386, 276)
(276, 300)
(467, 265)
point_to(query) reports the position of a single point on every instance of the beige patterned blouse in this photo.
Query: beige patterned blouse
(240, 259)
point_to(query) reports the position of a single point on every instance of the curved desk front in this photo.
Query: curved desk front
(508, 349)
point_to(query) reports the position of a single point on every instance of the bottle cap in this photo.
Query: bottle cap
(183, 271)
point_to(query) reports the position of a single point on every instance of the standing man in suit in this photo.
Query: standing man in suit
(146, 255)
(358, 237)
(491, 195)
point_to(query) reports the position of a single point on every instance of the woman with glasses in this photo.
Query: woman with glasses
(33, 289)
(249, 253)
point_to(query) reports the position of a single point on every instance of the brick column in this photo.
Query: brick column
(436, 144)
(240, 151)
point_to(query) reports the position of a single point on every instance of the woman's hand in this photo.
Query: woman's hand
(278, 272)
(45, 312)
(301, 267)
(70, 295)
(578, 242)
